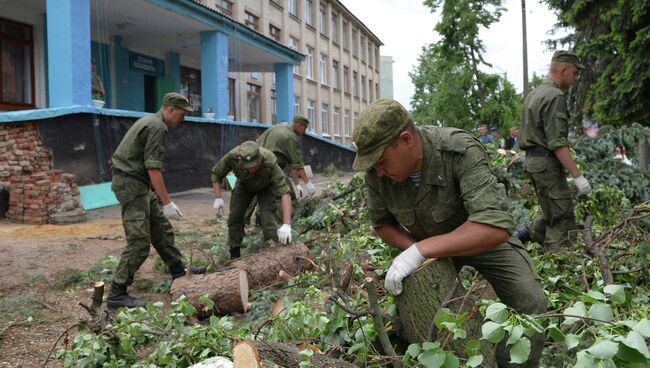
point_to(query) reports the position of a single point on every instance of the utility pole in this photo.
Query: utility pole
(523, 31)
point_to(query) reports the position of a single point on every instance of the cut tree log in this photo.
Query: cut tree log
(425, 292)
(244, 355)
(283, 354)
(264, 267)
(227, 288)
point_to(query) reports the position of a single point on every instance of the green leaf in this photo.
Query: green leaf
(475, 361)
(497, 312)
(634, 340)
(643, 327)
(555, 333)
(604, 349)
(459, 333)
(520, 351)
(430, 345)
(492, 332)
(584, 360)
(572, 341)
(578, 309)
(451, 361)
(515, 334)
(413, 350)
(443, 315)
(616, 293)
(592, 296)
(432, 359)
(601, 311)
(473, 347)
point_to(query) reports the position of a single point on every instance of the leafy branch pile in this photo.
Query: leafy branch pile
(589, 323)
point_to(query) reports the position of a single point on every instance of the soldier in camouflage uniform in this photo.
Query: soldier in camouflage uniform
(136, 166)
(543, 136)
(432, 194)
(258, 174)
(282, 140)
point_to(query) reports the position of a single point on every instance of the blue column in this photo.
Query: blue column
(68, 52)
(284, 91)
(174, 69)
(214, 73)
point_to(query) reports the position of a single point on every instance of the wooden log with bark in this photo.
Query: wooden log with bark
(229, 287)
(251, 354)
(427, 290)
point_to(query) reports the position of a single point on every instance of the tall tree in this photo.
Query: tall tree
(614, 39)
(450, 88)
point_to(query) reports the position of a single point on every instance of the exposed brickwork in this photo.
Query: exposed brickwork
(37, 191)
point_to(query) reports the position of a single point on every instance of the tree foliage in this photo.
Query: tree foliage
(450, 87)
(614, 38)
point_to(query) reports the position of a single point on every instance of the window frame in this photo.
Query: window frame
(254, 90)
(29, 43)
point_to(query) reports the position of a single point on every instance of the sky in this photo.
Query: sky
(405, 26)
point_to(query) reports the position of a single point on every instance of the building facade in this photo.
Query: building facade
(338, 78)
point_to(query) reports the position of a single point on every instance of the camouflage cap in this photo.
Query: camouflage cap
(177, 100)
(568, 57)
(299, 119)
(379, 125)
(248, 154)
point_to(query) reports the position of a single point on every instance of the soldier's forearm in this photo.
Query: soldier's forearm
(286, 208)
(158, 184)
(468, 239)
(216, 186)
(394, 236)
(563, 154)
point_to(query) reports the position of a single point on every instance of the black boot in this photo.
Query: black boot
(118, 297)
(523, 234)
(235, 253)
(179, 270)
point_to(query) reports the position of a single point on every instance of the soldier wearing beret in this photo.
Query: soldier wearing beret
(432, 194)
(282, 140)
(136, 168)
(544, 132)
(258, 174)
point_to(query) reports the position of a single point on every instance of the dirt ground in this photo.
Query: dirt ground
(34, 259)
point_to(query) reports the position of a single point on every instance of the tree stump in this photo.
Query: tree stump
(282, 354)
(227, 288)
(424, 292)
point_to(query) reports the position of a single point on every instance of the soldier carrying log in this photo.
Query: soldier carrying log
(432, 194)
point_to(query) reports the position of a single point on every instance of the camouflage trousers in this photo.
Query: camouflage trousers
(511, 272)
(240, 202)
(144, 225)
(549, 179)
(277, 205)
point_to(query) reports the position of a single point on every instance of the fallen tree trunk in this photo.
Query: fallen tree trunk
(432, 287)
(282, 354)
(264, 267)
(227, 288)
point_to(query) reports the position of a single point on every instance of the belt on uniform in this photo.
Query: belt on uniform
(537, 151)
(119, 172)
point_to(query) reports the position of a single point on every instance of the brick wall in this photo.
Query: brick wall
(36, 190)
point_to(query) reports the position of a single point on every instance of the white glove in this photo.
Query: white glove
(310, 188)
(284, 234)
(218, 207)
(301, 193)
(171, 211)
(582, 184)
(403, 265)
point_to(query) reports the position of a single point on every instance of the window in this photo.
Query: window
(191, 88)
(255, 75)
(252, 21)
(355, 43)
(377, 59)
(335, 28)
(294, 44)
(363, 87)
(335, 74)
(370, 90)
(310, 62)
(324, 118)
(355, 84)
(16, 66)
(293, 7)
(323, 18)
(346, 35)
(309, 12)
(224, 6)
(254, 107)
(363, 49)
(274, 32)
(311, 105)
(346, 79)
(377, 90)
(296, 105)
(323, 68)
(335, 121)
(346, 122)
(370, 53)
(274, 107)
(354, 119)
(231, 98)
